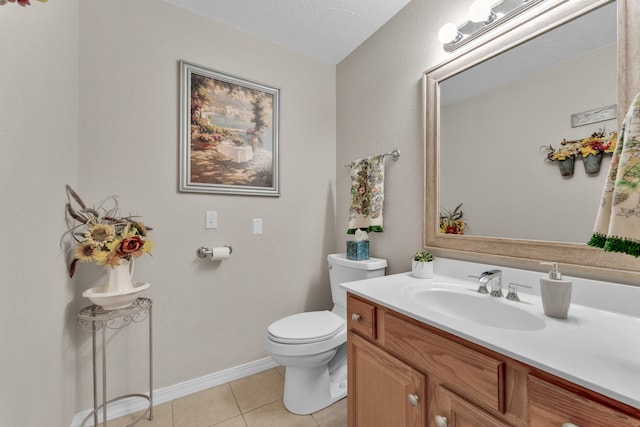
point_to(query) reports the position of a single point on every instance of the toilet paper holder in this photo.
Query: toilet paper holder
(204, 252)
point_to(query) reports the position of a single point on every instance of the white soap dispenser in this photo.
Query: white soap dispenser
(555, 293)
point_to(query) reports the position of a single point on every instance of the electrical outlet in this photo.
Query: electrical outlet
(211, 220)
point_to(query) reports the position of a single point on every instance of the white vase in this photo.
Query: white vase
(119, 291)
(119, 277)
(422, 270)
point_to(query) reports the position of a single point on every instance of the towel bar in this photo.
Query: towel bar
(395, 155)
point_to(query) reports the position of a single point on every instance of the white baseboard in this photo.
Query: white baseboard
(166, 394)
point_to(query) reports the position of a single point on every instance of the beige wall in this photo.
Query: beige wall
(380, 108)
(90, 98)
(38, 156)
(209, 316)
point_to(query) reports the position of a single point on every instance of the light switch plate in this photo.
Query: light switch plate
(211, 220)
(257, 226)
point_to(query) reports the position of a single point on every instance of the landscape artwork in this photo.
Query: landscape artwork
(229, 133)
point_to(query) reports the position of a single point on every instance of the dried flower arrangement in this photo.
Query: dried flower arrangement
(22, 3)
(598, 142)
(452, 222)
(589, 149)
(101, 236)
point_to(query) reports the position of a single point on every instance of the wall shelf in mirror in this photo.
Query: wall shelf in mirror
(620, 45)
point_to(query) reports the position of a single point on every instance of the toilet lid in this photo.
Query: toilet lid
(307, 327)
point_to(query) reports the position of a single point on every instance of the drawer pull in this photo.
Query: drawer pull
(355, 317)
(440, 421)
(413, 399)
(569, 425)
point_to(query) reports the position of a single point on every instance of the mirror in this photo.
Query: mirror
(569, 69)
(511, 197)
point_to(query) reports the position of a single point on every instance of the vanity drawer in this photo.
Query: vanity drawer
(551, 405)
(461, 413)
(476, 376)
(361, 316)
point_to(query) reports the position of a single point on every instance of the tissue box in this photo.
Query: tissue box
(358, 250)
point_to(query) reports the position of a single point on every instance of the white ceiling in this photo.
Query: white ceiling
(328, 30)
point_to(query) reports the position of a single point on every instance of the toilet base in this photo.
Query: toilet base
(316, 380)
(308, 390)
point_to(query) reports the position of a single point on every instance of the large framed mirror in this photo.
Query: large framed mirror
(489, 109)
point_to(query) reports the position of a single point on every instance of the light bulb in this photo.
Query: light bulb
(480, 11)
(448, 33)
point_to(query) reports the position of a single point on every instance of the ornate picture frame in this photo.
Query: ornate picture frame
(228, 133)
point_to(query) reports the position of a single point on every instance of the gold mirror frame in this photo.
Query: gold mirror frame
(577, 258)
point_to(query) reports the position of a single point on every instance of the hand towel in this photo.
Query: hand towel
(617, 227)
(367, 194)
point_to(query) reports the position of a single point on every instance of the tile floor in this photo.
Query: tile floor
(254, 401)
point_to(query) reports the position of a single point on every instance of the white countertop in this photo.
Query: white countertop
(596, 347)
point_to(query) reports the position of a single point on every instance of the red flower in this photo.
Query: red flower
(451, 230)
(131, 246)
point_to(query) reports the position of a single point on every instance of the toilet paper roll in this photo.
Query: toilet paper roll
(220, 253)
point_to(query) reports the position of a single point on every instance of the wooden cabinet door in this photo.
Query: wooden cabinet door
(383, 391)
(454, 411)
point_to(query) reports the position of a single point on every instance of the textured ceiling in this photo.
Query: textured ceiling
(325, 29)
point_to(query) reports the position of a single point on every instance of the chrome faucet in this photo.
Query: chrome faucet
(493, 279)
(512, 295)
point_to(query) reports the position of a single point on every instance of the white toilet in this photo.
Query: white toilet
(313, 346)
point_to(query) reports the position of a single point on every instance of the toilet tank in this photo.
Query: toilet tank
(342, 270)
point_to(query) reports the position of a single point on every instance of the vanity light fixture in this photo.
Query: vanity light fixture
(449, 34)
(480, 11)
(482, 18)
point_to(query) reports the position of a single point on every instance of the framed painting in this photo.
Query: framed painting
(228, 133)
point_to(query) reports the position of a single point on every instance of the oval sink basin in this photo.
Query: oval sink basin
(478, 308)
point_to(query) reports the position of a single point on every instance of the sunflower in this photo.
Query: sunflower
(100, 234)
(85, 251)
(109, 255)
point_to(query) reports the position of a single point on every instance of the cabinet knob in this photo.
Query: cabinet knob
(440, 421)
(413, 399)
(355, 317)
(569, 425)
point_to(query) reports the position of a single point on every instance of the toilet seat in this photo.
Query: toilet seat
(306, 328)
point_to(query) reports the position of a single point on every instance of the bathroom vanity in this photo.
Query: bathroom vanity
(437, 353)
(412, 364)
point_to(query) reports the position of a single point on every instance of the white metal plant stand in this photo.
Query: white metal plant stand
(94, 318)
